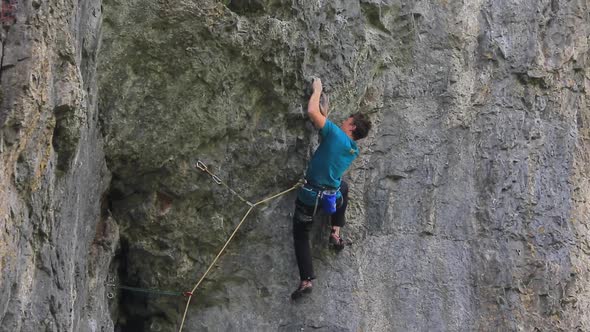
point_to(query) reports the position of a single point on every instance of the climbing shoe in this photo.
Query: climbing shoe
(304, 287)
(336, 241)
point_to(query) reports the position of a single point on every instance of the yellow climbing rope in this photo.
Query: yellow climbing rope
(217, 180)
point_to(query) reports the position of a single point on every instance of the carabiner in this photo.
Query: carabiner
(216, 179)
(201, 166)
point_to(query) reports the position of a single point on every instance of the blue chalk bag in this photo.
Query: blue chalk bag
(329, 201)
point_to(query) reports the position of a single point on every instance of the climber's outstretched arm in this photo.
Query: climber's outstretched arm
(313, 106)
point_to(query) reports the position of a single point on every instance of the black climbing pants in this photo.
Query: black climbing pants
(302, 222)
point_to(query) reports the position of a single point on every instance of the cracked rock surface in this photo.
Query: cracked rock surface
(469, 203)
(55, 245)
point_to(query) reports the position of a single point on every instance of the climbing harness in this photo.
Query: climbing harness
(201, 166)
(324, 196)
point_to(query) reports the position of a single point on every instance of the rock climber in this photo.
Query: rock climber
(324, 188)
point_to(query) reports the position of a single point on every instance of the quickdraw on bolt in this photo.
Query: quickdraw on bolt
(201, 166)
(216, 179)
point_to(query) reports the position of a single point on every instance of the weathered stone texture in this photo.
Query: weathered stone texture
(469, 206)
(470, 201)
(52, 259)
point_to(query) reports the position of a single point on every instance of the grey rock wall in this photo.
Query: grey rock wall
(55, 247)
(469, 204)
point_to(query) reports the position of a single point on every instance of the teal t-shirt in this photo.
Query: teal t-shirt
(331, 159)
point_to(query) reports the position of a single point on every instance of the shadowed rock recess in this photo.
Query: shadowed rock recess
(470, 203)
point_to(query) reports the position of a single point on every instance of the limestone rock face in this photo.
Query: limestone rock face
(55, 247)
(469, 203)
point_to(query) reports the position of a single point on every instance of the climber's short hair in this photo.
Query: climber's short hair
(362, 124)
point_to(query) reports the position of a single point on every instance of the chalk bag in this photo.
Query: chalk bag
(329, 201)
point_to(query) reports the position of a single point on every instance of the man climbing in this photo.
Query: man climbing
(324, 188)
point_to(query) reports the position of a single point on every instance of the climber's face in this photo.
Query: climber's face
(348, 126)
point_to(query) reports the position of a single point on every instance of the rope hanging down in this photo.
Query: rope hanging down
(217, 180)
